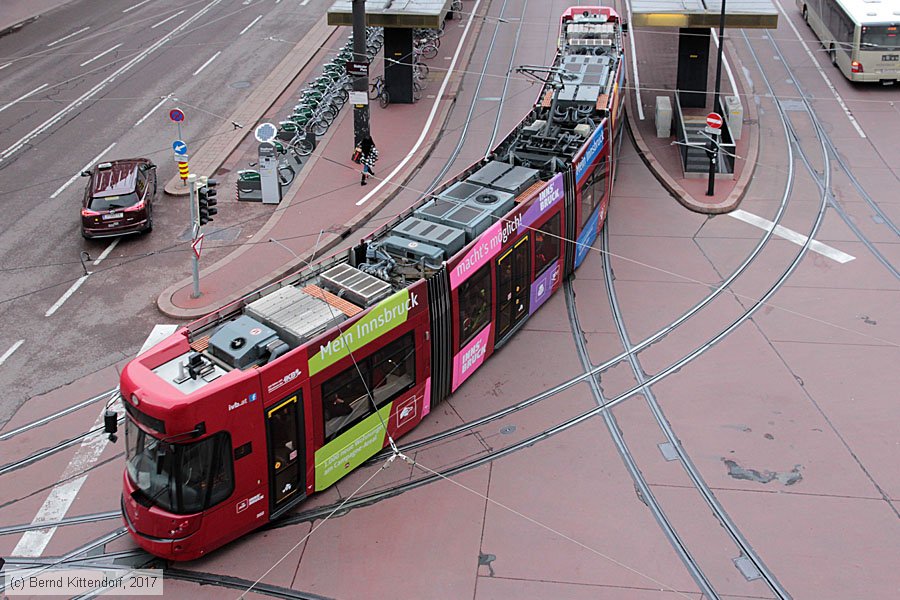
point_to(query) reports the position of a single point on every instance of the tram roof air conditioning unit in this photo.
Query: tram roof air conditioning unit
(294, 314)
(359, 288)
(517, 180)
(449, 239)
(412, 250)
(497, 202)
(489, 173)
(242, 342)
(460, 191)
(436, 209)
(474, 221)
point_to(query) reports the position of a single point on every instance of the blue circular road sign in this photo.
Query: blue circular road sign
(179, 147)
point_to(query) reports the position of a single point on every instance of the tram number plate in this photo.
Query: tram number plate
(890, 57)
(111, 216)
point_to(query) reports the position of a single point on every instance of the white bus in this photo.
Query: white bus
(862, 37)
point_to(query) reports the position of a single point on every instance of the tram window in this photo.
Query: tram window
(345, 398)
(394, 368)
(474, 304)
(182, 478)
(593, 190)
(546, 244)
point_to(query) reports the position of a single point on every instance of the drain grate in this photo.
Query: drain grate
(747, 568)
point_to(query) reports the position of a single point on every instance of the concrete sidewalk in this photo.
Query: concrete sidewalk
(657, 57)
(327, 203)
(15, 14)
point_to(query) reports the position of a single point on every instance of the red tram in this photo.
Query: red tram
(235, 419)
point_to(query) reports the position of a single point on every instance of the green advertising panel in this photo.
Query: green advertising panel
(351, 449)
(383, 317)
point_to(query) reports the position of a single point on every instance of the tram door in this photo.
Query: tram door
(513, 269)
(284, 423)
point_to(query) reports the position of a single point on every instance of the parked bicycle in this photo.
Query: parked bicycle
(378, 90)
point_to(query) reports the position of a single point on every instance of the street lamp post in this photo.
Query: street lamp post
(712, 148)
(360, 84)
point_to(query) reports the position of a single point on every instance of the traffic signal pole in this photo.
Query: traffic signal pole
(360, 84)
(195, 231)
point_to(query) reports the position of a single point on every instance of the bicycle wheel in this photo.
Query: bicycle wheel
(373, 90)
(420, 70)
(304, 147)
(285, 174)
(429, 51)
(320, 126)
(384, 99)
(417, 91)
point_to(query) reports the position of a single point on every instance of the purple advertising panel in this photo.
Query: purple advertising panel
(470, 358)
(547, 198)
(543, 286)
(485, 248)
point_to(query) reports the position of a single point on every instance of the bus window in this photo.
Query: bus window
(546, 244)
(880, 37)
(474, 304)
(394, 369)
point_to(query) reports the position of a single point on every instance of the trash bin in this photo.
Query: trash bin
(735, 115)
(663, 117)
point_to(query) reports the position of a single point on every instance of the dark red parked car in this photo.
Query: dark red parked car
(119, 198)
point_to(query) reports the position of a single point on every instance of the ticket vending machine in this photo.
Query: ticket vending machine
(268, 173)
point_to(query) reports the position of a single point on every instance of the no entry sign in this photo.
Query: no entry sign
(714, 120)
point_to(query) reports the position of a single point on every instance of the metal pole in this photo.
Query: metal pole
(195, 231)
(360, 84)
(713, 148)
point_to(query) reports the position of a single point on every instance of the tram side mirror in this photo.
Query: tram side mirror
(111, 425)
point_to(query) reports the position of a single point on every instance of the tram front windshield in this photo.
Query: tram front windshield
(180, 478)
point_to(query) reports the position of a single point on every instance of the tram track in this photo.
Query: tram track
(831, 149)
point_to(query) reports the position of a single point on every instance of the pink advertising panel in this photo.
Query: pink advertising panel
(485, 248)
(470, 358)
(426, 401)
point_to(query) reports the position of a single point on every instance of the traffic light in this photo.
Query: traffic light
(206, 198)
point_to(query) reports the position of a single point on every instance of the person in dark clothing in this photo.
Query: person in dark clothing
(369, 156)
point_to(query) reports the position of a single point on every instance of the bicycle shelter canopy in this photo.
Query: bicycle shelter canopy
(398, 18)
(695, 19)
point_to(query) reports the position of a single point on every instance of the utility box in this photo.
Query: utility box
(734, 112)
(663, 117)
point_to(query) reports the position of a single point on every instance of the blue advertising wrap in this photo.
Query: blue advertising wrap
(594, 144)
(587, 237)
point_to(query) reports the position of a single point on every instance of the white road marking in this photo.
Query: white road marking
(20, 98)
(130, 8)
(55, 507)
(152, 110)
(206, 64)
(304, 3)
(9, 352)
(78, 174)
(792, 236)
(821, 71)
(67, 295)
(104, 53)
(637, 82)
(106, 252)
(167, 19)
(4, 66)
(71, 35)
(434, 109)
(252, 23)
(97, 88)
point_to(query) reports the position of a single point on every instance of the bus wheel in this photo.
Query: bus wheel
(805, 15)
(832, 55)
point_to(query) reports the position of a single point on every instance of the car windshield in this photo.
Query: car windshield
(113, 202)
(180, 478)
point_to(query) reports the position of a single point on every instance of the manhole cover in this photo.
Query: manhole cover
(239, 85)
(507, 429)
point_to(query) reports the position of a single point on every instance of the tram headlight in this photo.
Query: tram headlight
(135, 400)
